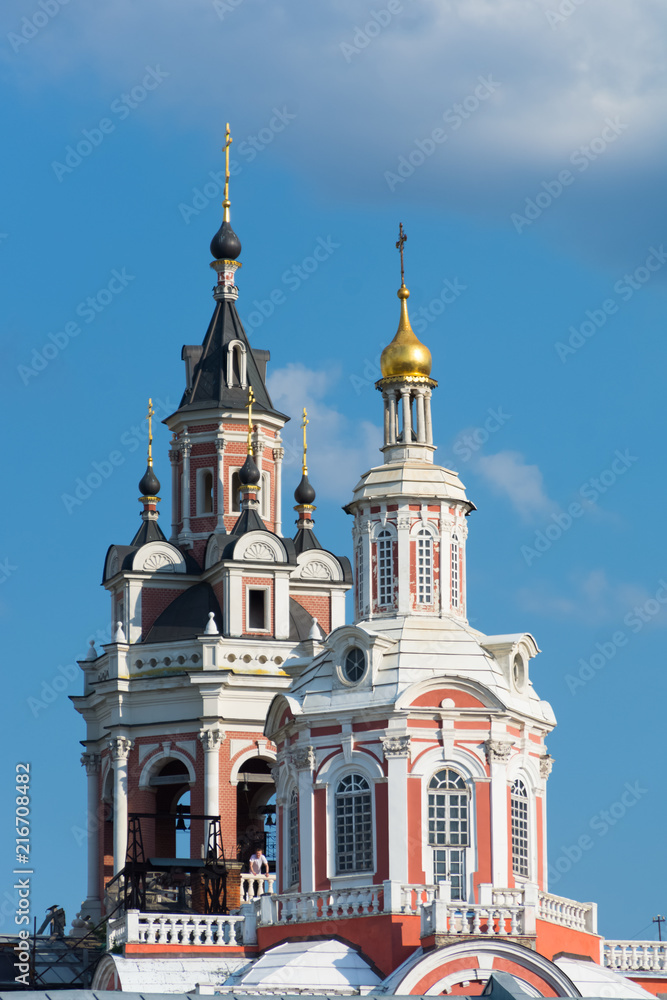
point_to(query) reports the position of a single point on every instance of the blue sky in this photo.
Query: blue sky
(523, 149)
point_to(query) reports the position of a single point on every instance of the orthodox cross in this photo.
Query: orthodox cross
(226, 202)
(399, 246)
(251, 400)
(150, 415)
(304, 424)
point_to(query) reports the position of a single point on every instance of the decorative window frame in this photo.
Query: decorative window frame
(265, 496)
(234, 495)
(375, 539)
(519, 767)
(238, 347)
(199, 491)
(415, 531)
(329, 776)
(160, 758)
(289, 884)
(267, 608)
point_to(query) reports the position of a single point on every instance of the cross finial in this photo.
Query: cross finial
(251, 400)
(226, 202)
(149, 417)
(399, 246)
(304, 424)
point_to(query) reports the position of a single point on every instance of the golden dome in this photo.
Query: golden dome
(406, 355)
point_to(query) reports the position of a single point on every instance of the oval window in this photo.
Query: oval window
(354, 665)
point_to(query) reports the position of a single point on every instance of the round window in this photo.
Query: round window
(354, 665)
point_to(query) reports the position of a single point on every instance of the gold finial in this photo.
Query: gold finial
(149, 417)
(226, 202)
(251, 400)
(399, 246)
(304, 424)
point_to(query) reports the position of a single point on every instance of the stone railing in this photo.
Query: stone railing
(183, 929)
(441, 917)
(568, 912)
(254, 886)
(330, 904)
(635, 956)
(414, 897)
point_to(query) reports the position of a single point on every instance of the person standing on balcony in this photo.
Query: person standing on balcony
(257, 863)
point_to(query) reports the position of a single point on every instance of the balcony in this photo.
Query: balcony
(649, 957)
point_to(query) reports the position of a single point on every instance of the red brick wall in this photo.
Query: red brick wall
(317, 605)
(153, 602)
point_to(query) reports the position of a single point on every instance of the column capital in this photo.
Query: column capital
(303, 758)
(396, 746)
(498, 751)
(211, 739)
(120, 748)
(403, 522)
(278, 454)
(91, 762)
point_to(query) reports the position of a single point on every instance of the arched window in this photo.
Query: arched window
(354, 825)
(385, 552)
(207, 492)
(448, 828)
(424, 567)
(360, 577)
(519, 812)
(293, 835)
(235, 493)
(236, 364)
(455, 571)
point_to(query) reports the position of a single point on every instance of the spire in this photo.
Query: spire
(304, 495)
(405, 355)
(406, 386)
(149, 487)
(226, 245)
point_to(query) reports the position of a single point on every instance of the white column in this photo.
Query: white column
(185, 488)
(498, 753)
(220, 448)
(278, 455)
(303, 759)
(421, 422)
(211, 740)
(407, 415)
(427, 416)
(403, 525)
(397, 753)
(367, 543)
(93, 906)
(387, 417)
(391, 395)
(173, 458)
(120, 750)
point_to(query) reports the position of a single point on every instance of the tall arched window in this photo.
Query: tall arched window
(293, 834)
(207, 492)
(235, 492)
(424, 567)
(448, 828)
(385, 550)
(354, 825)
(456, 583)
(519, 812)
(265, 496)
(360, 577)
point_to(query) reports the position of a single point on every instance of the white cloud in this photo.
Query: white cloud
(339, 449)
(594, 600)
(510, 476)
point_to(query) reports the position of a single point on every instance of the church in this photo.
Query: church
(387, 775)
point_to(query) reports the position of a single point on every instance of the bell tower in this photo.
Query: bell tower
(409, 514)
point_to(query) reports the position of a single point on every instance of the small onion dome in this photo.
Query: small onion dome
(406, 355)
(249, 474)
(150, 484)
(225, 245)
(304, 493)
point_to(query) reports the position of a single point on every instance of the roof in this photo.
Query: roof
(209, 385)
(186, 616)
(327, 965)
(594, 980)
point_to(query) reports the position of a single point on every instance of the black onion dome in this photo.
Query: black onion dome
(249, 474)
(304, 493)
(225, 245)
(150, 484)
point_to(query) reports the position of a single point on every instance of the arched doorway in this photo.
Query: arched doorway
(256, 811)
